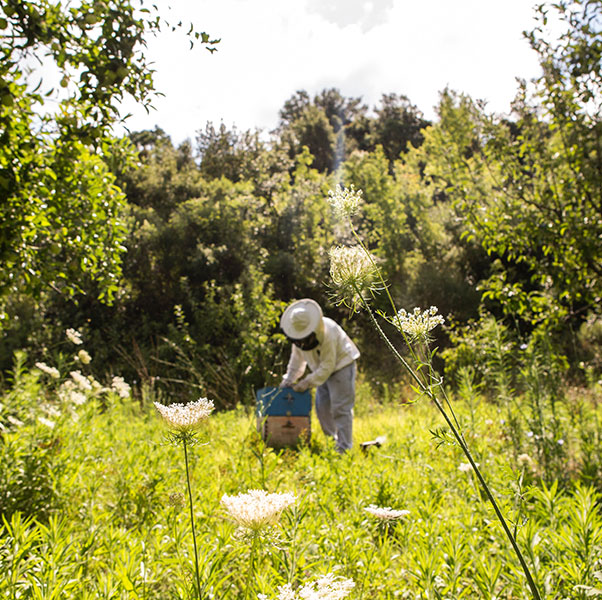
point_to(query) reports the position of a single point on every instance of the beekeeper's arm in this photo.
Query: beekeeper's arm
(325, 367)
(296, 368)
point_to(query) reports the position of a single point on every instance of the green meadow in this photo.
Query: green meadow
(94, 500)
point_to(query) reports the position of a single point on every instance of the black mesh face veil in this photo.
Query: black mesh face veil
(307, 343)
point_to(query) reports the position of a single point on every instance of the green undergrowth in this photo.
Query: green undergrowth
(94, 506)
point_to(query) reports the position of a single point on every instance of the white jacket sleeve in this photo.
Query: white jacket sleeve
(296, 366)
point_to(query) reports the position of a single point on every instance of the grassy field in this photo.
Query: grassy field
(95, 504)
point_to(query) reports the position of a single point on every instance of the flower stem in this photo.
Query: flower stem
(461, 442)
(196, 554)
(251, 569)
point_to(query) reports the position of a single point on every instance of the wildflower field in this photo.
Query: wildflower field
(95, 502)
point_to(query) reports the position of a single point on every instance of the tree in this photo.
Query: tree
(546, 208)
(397, 126)
(313, 130)
(60, 210)
(322, 125)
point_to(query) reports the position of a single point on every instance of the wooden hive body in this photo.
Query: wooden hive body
(283, 416)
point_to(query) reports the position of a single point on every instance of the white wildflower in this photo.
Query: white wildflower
(257, 508)
(327, 587)
(121, 387)
(74, 336)
(354, 273)
(77, 398)
(51, 410)
(69, 392)
(14, 421)
(185, 418)
(52, 371)
(83, 357)
(46, 422)
(524, 460)
(419, 324)
(82, 381)
(466, 467)
(386, 513)
(345, 201)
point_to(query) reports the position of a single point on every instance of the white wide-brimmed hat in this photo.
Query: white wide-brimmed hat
(301, 318)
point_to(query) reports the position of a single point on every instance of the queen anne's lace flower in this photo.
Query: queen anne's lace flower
(46, 422)
(417, 325)
(74, 336)
(466, 467)
(327, 587)
(185, 418)
(52, 371)
(256, 508)
(121, 387)
(353, 274)
(385, 513)
(82, 381)
(345, 201)
(69, 392)
(84, 357)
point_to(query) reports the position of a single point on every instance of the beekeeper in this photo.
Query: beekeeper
(322, 344)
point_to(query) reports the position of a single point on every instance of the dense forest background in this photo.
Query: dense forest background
(175, 263)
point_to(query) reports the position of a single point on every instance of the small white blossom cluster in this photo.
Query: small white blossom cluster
(353, 273)
(81, 380)
(46, 422)
(524, 460)
(121, 387)
(345, 201)
(52, 371)
(71, 393)
(385, 513)
(418, 324)
(256, 508)
(466, 467)
(185, 418)
(327, 587)
(74, 336)
(83, 357)
(14, 421)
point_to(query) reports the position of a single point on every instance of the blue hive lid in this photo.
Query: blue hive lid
(283, 402)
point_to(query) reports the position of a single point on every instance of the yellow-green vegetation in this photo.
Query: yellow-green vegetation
(106, 514)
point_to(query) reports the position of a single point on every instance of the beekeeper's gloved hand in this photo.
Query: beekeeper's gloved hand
(285, 383)
(301, 386)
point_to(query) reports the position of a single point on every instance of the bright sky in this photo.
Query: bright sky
(269, 49)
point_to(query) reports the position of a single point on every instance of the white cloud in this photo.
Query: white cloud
(272, 48)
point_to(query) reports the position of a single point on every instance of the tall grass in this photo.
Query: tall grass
(117, 524)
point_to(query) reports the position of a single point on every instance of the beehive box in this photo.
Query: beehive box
(283, 416)
(282, 432)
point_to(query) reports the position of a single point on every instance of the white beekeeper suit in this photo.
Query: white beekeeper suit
(323, 345)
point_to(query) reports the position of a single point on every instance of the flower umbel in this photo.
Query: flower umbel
(345, 201)
(353, 273)
(121, 387)
(81, 380)
(418, 325)
(74, 336)
(185, 418)
(52, 371)
(83, 357)
(257, 508)
(385, 513)
(327, 587)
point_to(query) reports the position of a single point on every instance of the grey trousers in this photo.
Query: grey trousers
(334, 406)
